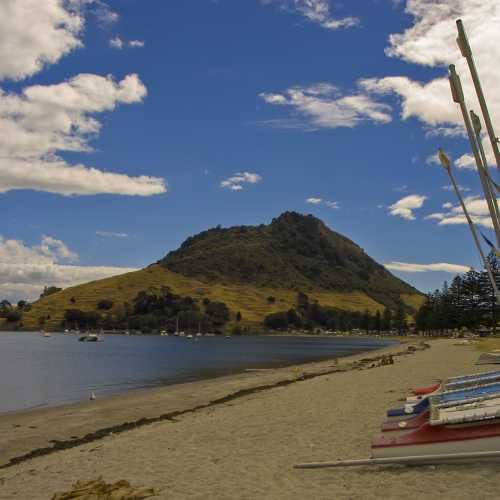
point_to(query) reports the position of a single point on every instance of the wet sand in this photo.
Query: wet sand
(239, 436)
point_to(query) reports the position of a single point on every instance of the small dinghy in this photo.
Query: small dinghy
(456, 383)
(445, 397)
(91, 337)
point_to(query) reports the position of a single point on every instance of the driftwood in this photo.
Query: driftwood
(99, 490)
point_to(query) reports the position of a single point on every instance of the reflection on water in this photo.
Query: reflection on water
(37, 371)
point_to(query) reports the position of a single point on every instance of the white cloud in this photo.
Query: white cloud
(466, 161)
(433, 160)
(323, 106)
(319, 201)
(35, 33)
(136, 43)
(332, 204)
(314, 201)
(316, 11)
(405, 206)
(449, 187)
(110, 234)
(476, 206)
(236, 182)
(423, 268)
(25, 270)
(43, 120)
(104, 14)
(430, 41)
(118, 43)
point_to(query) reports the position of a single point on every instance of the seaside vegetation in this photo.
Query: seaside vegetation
(309, 316)
(250, 300)
(467, 303)
(152, 311)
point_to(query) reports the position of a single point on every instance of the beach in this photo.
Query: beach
(239, 436)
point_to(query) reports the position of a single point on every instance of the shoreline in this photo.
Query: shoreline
(199, 375)
(32, 433)
(245, 446)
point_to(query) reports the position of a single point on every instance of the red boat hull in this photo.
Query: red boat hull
(422, 391)
(442, 439)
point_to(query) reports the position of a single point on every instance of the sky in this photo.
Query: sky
(128, 125)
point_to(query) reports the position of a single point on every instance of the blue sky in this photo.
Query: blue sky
(196, 113)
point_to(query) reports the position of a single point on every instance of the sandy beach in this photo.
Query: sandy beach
(239, 436)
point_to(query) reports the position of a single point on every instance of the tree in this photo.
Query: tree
(5, 308)
(302, 302)
(13, 316)
(276, 321)
(105, 304)
(294, 318)
(377, 324)
(400, 317)
(387, 319)
(366, 321)
(49, 290)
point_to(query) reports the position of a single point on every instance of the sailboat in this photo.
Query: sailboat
(199, 334)
(459, 419)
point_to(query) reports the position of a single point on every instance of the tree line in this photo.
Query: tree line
(309, 315)
(153, 310)
(467, 302)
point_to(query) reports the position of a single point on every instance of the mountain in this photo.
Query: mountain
(296, 252)
(244, 267)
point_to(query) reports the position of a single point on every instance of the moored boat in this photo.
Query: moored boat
(91, 337)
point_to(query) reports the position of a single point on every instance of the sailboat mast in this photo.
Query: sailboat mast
(458, 97)
(465, 49)
(447, 165)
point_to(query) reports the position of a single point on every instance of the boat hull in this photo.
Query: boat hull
(439, 440)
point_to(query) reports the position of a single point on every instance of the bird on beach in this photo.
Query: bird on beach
(92, 396)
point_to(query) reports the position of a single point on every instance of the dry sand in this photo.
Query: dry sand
(245, 448)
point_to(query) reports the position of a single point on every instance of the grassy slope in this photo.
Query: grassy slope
(250, 300)
(413, 300)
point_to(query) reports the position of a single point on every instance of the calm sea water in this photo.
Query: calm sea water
(38, 372)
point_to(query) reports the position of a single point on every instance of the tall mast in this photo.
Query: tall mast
(458, 97)
(465, 49)
(447, 165)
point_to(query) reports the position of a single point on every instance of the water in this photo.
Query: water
(39, 372)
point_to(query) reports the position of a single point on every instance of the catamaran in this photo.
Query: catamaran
(458, 419)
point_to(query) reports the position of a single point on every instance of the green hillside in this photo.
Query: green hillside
(295, 252)
(243, 267)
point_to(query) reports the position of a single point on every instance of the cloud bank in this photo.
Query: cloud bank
(423, 268)
(430, 41)
(44, 120)
(25, 270)
(476, 206)
(324, 106)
